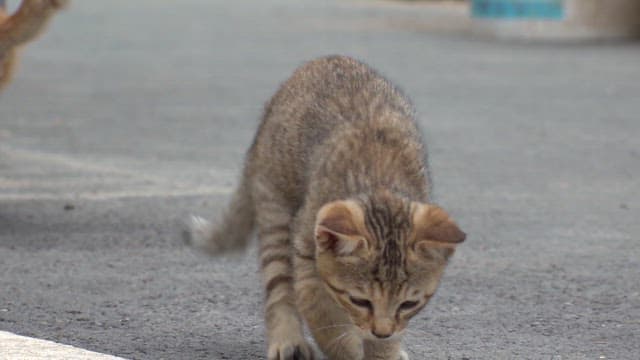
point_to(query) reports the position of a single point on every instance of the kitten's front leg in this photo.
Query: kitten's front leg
(384, 350)
(337, 339)
(284, 325)
(331, 328)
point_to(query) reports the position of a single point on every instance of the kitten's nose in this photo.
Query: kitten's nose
(382, 328)
(381, 335)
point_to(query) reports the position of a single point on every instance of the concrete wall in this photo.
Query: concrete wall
(607, 17)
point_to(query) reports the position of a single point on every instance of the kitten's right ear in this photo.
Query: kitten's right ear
(337, 228)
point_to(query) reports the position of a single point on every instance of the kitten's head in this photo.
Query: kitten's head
(381, 258)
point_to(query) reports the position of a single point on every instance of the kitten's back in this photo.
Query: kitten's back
(324, 102)
(337, 122)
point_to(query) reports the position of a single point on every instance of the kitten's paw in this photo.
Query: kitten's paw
(403, 355)
(290, 349)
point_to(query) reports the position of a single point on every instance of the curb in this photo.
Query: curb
(16, 347)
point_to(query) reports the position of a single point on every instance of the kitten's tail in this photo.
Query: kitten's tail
(235, 229)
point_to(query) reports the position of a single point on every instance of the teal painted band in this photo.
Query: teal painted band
(518, 9)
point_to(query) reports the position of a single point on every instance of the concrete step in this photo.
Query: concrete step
(16, 347)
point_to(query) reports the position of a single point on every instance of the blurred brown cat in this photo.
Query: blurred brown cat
(18, 29)
(336, 184)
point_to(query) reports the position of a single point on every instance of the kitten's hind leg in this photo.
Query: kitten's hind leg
(284, 326)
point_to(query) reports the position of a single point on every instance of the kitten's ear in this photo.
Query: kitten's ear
(434, 228)
(337, 228)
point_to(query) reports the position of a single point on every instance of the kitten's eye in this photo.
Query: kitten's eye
(408, 305)
(364, 303)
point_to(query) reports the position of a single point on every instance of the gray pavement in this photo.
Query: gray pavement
(127, 116)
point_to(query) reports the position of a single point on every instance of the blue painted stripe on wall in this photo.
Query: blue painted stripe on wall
(518, 9)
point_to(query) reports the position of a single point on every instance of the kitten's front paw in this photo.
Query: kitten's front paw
(403, 355)
(290, 349)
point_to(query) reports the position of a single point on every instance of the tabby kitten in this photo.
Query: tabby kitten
(337, 186)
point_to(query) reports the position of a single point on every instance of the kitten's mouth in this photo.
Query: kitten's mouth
(368, 335)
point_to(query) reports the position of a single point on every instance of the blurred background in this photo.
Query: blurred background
(126, 117)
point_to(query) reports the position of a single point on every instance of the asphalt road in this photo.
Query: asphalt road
(130, 115)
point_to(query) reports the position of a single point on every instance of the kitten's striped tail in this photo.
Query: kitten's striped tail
(233, 231)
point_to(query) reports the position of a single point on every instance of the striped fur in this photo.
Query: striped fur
(336, 184)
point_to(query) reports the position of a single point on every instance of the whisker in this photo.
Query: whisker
(335, 342)
(331, 326)
(416, 332)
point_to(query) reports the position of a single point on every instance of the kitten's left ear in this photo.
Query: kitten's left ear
(434, 228)
(337, 228)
